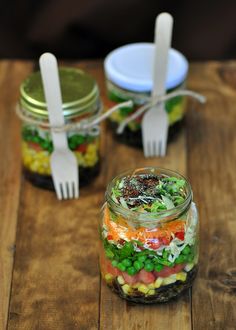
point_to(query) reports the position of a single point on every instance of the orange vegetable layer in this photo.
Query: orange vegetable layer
(121, 229)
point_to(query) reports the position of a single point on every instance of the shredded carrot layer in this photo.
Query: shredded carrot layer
(121, 229)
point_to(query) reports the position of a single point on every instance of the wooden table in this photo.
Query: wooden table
(49, 275)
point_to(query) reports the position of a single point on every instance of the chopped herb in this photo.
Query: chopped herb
(149, 192)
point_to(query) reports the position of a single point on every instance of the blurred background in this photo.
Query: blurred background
(79, 29)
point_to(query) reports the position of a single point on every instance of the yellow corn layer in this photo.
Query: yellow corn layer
(174, 115)
(126, 288)
(169, 280)
(151, 292)
(158, 282)
(143, 288)
(108, 277)
(147, 289)
(120, 280)
(39, 162)
(181, 276)
(188, 267)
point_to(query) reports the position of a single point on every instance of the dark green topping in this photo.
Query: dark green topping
(149, 193)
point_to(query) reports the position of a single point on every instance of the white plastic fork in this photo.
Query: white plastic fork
(63, 162)
(155, 121)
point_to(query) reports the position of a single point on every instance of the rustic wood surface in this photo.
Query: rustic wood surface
(49, 274)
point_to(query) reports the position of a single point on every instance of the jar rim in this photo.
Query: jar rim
(149, 217)
(131, 67)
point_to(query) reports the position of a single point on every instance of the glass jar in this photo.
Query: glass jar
(149, 235)
(81, 102)
(128, 71)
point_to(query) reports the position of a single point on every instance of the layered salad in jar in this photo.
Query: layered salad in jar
(149, 236)
(37, 147)
(129, 76)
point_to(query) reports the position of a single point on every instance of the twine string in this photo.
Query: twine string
(92, 123)
(83, 125)
(157, 100)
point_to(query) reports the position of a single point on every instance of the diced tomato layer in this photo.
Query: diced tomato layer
(146, 277)
(108, 268)
(81, 148)
(167, 271)
(130, 279)
(34, 146)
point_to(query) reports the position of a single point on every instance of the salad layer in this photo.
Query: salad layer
(37, 147)
(141, 259)
(175, 109)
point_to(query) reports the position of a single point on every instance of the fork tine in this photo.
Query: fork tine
(64, 190)
(162, 148)
(158, 148)
(76, 189)
(145, 148)
(148, 148)
(154, 148)
(58, 190)
(70, 189)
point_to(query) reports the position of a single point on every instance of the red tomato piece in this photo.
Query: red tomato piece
(146, 277)
(111, 270)
(130, 279)
(154, 243)
(34, 146)
(121, 241)
(165, 240)
(139, 119)
(177, 268)
(167, 271)
(180, 235)
(154, 246)
(109, 237)
(81, 148)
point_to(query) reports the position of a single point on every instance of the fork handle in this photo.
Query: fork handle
(163, 34)
(52, 91)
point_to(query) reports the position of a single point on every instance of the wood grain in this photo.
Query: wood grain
(10, 167)
(212, 172)
(56, 281)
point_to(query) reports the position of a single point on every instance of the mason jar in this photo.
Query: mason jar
(129, 76)
(149, 235)
(81, 102)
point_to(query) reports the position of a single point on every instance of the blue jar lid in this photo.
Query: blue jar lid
(130, 67)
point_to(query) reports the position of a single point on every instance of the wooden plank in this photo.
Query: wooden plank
(56, 277)
(56, 280)
(212, 172)
(56, 283)
(11, 75)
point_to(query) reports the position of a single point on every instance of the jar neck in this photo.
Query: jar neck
(139, 218)
(92, 110)
(139, 98)
(149, 219)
